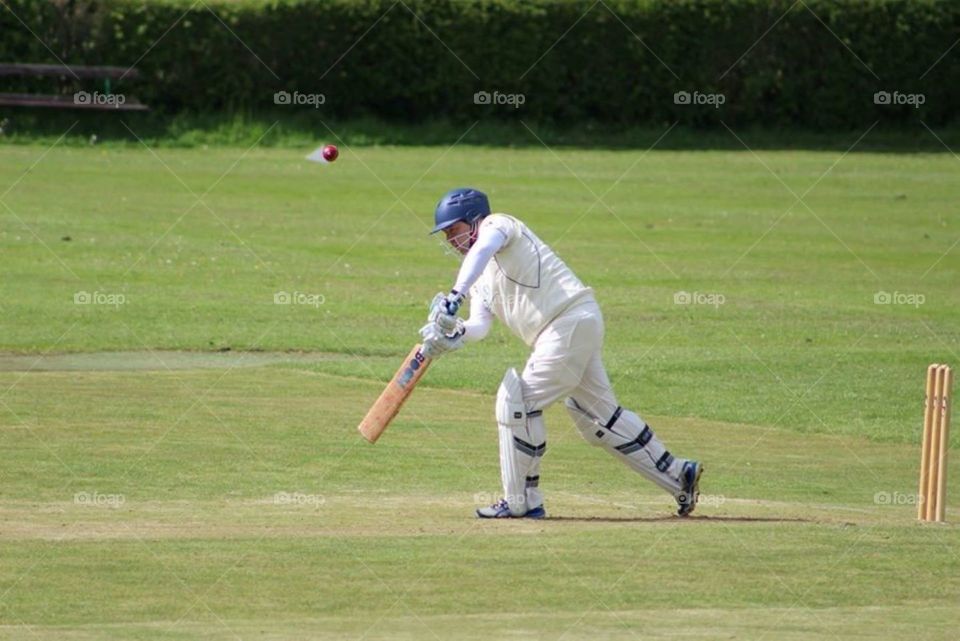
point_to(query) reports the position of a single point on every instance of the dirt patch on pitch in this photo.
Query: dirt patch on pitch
(154, 360)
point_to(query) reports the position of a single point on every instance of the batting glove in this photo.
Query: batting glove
(436, 342)
(443, 311)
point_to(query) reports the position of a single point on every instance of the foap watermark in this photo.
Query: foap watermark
(97, 499)
(496, 98)
(697, 98)
(299, 298)
(86, 98)
(486, 498)
(510, 300)
(896, 98)
(896, 498)
(714, 299)
(99, 298)
(299, 99)
(298, 498)
(711, 500)
(899, 298)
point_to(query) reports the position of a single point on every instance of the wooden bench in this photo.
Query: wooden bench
(105, 100)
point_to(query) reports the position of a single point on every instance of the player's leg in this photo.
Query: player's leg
(603, 422)
(523, 441)
(532, 493)
(556, 367)
(553, 370)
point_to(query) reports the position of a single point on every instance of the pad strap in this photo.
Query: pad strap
(663, 464)
(528, 449)
(613, 419)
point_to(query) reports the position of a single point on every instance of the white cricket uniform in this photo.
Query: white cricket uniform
(511, 274)
(531, 291)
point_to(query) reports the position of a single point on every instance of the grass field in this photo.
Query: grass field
(180, 457)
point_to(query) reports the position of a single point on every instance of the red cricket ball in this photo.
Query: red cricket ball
(330, 153)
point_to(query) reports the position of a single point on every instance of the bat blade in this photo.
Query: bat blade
(392, 398)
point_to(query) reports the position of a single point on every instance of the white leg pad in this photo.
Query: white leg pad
(522, 444)
(537, 432)
(630, 439)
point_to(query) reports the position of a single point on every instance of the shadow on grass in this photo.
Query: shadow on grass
(676, 519)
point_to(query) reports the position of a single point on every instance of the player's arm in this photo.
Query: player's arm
(491, 238)
(444, 332)
(478, 325)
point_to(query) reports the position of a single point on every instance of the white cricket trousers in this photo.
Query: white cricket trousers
(566, 361)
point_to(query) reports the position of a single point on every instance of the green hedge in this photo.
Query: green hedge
(621, 62)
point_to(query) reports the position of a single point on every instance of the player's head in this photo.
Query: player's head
(458, 215)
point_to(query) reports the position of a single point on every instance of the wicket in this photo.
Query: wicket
(936, 442)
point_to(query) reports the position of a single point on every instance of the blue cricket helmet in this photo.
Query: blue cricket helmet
(463, 203)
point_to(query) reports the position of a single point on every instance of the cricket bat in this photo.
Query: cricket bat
(392, 398)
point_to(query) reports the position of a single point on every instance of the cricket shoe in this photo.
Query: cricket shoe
(689, 488)
(500, 510)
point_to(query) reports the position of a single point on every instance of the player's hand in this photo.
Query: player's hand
(443, 311)
(436, 342)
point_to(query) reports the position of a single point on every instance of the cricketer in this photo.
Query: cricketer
(510, 274)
